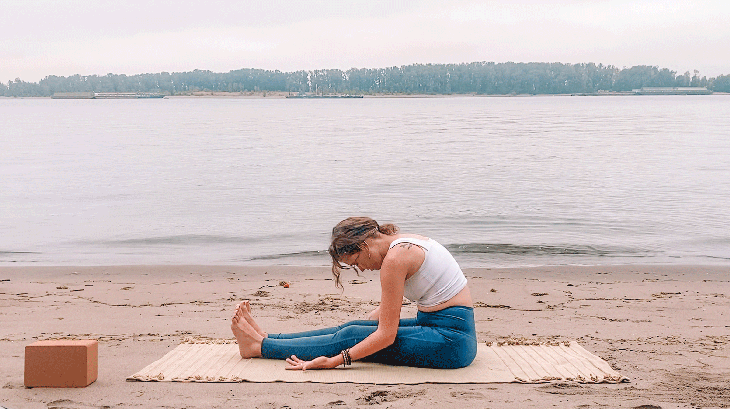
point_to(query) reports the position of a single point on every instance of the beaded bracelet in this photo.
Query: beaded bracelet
(347, 360)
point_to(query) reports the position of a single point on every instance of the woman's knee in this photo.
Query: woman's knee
(357, 323)
(356, 332)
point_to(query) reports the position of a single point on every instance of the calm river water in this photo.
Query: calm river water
(499, 181)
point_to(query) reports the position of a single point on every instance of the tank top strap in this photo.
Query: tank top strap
(418, 242)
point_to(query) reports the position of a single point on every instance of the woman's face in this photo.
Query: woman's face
(362, 260)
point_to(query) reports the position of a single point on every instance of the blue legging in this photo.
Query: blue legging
(443, 339)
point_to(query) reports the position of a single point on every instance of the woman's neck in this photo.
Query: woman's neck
(381, 243)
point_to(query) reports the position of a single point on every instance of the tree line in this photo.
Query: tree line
(486, 78)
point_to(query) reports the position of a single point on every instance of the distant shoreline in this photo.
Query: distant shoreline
(281, 95)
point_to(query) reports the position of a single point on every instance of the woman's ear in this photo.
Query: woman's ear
(368, 249)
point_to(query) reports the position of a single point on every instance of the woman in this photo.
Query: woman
(441, 336)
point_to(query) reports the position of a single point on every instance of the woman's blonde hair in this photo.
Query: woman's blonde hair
(348, 238)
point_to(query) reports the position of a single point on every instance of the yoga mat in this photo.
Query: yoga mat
(219, 361)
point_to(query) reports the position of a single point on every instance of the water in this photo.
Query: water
(499, 181)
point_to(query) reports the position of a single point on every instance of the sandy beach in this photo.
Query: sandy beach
(667, 328)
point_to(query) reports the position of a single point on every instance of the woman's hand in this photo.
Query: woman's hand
(374, 314)
(321, 362)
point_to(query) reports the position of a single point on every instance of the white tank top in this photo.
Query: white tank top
(438, 279)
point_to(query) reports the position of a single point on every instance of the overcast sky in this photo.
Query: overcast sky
(66, 37)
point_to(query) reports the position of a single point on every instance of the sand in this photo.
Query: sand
(667, 328)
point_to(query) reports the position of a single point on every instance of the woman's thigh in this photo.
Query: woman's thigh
(428, 347)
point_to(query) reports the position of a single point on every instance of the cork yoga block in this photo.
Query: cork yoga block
(61, 364)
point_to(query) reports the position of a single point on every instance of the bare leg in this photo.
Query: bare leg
(245, 311)
(249, 341)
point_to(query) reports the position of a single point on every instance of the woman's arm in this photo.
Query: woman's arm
(400, 261)
(392, 280)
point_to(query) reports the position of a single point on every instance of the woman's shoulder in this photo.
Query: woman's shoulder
(407, 252)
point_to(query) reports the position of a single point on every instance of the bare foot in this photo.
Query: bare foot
(249, 341)
(244, 310)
